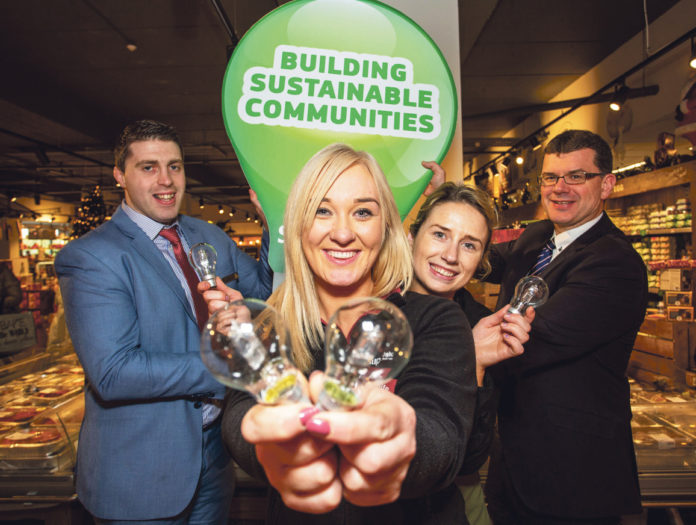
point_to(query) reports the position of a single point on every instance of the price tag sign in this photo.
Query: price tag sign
(315, 72)
(16, 332)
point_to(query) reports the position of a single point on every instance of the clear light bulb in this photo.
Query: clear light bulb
(377, 348)
(529, 291)
(246, 346)
(203, 258)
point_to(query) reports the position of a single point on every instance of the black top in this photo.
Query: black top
(439, 383)
(486, 399)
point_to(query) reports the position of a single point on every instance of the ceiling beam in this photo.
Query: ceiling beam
(562, 104)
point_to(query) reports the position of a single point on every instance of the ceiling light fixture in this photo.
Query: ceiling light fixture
(248, 219)
(130, 45)
(519, 159)
(256, 219)
(692, 60)
(220, 210)
(619, 98)
(231, 212)
(201, 204)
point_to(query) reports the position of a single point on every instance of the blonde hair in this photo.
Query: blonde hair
(296, 298)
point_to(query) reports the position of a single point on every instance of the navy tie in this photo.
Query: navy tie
(544, 257)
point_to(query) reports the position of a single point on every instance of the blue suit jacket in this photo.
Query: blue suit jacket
(139, 455)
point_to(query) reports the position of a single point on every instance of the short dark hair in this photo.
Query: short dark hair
(576, 139)
(143, 130)
(474, 197)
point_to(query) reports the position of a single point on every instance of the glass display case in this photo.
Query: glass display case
(40, 416)
(664, 437)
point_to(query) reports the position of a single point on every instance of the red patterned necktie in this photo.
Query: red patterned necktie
(191, 278)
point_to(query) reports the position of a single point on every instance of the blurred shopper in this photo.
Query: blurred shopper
(10, 290)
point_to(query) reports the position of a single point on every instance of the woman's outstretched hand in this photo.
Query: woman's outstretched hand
(376, 442)
(300, 465)
(500, 336)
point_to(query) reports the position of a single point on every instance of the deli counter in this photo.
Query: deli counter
(41, 410)
(42, 407)
(664, 437)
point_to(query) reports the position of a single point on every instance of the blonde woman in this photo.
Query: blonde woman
(394, 459)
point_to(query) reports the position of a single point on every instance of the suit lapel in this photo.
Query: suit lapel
(598, 230)
(537, 236)
(152, 256)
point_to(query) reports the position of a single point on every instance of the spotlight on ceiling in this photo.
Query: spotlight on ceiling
(692, 60)
(507, 161)
(130, 46)
(220, 210)
(247, 217)
(619, 98)
(231, 212)
(519, 159)
(256, 219)
(201, 204)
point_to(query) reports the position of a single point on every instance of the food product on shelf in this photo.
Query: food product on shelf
(641, 422)
(15, 415)
(663, 447)
(685, 422)
(30, 437)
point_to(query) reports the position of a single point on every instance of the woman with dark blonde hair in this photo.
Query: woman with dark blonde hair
(394, 459)
(451, 238)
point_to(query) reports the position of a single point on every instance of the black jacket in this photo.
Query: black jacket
(439, 383)
(564, 416)
(482, 433)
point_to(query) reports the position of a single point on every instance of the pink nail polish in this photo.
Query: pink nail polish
(318, 426)
(307, 413)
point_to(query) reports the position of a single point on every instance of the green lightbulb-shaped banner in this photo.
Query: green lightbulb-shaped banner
(315, 72)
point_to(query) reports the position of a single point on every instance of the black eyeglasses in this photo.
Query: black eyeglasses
(574, 177)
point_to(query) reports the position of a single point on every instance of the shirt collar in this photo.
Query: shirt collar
(145, 223)
(564, 239)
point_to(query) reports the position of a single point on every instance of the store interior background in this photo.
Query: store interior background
(76, 71)
(70, 83)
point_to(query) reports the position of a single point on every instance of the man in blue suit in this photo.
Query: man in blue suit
(150, 446)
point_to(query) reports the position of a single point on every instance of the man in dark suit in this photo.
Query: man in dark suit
(566, 452)
(150, 445)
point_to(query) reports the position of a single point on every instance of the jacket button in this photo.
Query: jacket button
(197, 404)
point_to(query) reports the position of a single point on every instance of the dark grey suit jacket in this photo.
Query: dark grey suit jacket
(564, 415)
